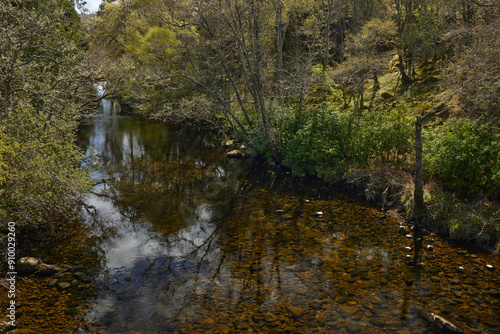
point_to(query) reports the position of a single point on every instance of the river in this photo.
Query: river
(180, 239)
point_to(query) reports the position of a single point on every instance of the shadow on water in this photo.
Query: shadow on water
(192, 242)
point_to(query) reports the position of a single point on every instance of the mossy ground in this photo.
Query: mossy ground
(471, 219)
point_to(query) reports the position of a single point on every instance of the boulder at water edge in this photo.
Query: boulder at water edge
(27, 265)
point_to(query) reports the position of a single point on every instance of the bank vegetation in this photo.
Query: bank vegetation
(329, 88)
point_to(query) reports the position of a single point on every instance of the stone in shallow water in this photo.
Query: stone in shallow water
(59, 275)
(492, 322)
(378, 321)
(240, 324)
(269, 318)
(352, 327)
(290, 329)
(46, 270)
(63, 285)
(341, 299)
(295, 310)
(27, 265)
(348, 309)
(403, 230)
(320, 318)
(208, 323)
(316, 304)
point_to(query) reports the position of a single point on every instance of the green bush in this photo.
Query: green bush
(316, 141)
(465, 155)
(385, 138)
(329, 142)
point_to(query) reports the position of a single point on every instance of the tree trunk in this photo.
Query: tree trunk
(326, 52)
(375, 88)
(405, 79)
(419, 210)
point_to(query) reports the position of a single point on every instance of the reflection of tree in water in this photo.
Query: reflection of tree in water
(220, 247)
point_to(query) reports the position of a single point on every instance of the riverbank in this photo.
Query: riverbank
(382, 174)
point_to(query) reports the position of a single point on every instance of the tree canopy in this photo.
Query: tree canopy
(44, 90)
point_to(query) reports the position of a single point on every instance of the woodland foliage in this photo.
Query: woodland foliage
(44, 90)
(330, 88)
(307, 80)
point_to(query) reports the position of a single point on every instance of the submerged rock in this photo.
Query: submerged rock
(63, 285)
(295, 310)
(240, 324)
(378, 321)
(47, 269)
(352, 327)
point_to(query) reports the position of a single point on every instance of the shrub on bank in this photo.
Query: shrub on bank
(329, 142)
(465, 156)
(375, 151)
(317, 142)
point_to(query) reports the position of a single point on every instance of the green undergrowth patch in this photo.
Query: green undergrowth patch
(373, 152)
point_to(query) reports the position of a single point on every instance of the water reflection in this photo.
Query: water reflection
(195, 243)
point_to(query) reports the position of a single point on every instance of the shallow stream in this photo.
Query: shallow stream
(177, 238)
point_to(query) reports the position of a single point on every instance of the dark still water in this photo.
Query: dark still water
(188, 241)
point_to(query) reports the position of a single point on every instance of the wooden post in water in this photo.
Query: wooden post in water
(418, 194)
(419, 210)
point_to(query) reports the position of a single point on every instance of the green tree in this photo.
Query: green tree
(420, 33)
(44, 89)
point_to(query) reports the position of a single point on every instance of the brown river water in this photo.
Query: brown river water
(179, 239)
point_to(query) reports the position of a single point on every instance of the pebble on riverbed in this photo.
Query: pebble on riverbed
(403, 230)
